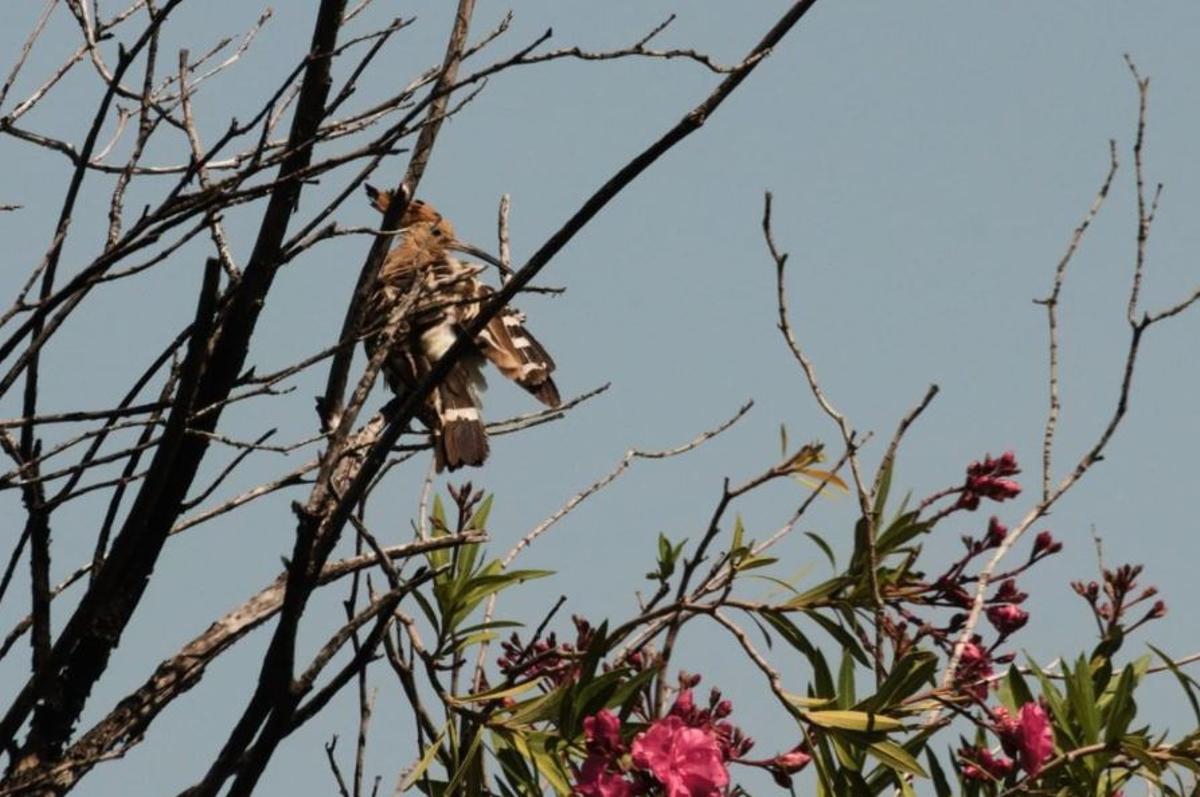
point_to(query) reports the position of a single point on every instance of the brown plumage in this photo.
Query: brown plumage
(450, 296)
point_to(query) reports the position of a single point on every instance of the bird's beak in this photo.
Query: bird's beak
(475, 251)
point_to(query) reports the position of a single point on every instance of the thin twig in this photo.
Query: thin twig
(1051, 304)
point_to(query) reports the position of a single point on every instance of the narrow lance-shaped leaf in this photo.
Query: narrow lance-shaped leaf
(422, 765)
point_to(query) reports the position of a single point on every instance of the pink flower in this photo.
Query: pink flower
(602, 731)
(1028, 736)
(686, 761)
(1007, 617)
(595, 780)
(1037, 738)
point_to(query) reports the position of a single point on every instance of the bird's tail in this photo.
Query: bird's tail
(459, 437)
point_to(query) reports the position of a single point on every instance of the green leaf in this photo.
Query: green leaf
(427, 609)
(783, 440)
(941, 786)
(824, 546)
(439, 528)
(801, 701)
(1057, 705)
(883, 776)
(754, 562)
(514, 765)
(861, 721)
(1109, 645)
(468, 764)
(533, 747)
(668, 555)
(479, 520)
(823, 762)
(1185, 681)
(902, 530)
(493, 625)
(480, 587)
(595, 652)
(1014, 692)
(462, 642)
(885, 486)
(538, 709)
(1136, 750)
(893, 755)
(906, 678)
(1083, 700)
(851, 784)
(593, 696)
(1121, 708)
(468, 555)
(843, 637)
(630, 687)
(819, 593)
(849, 753)
(845, 693)
(426, 759)
(739, 532)
(664, 548)
(497, 693)
(822, 680)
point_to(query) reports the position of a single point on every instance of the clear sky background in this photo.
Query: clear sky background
(929, 161)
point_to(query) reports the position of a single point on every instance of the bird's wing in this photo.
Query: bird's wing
(512, 349)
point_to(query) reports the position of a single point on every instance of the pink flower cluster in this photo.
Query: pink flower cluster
(600, 775)
(989, 479)
(1027, 737)
(683, 754)
(686, 761)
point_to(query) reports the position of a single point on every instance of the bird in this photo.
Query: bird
(450, 296)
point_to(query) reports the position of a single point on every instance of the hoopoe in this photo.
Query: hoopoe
(449, 298)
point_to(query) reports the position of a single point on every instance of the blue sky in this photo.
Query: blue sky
(929, 161)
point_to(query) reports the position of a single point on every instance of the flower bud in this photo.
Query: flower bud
(792, 761)
(1008, 592)
(996, 532)
(1007, 618)
(1044, 542)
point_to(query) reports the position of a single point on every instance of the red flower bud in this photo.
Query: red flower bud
(1044, 542)
(1008, 592)
(996, 532)
(1007, 618)
(792, 761)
